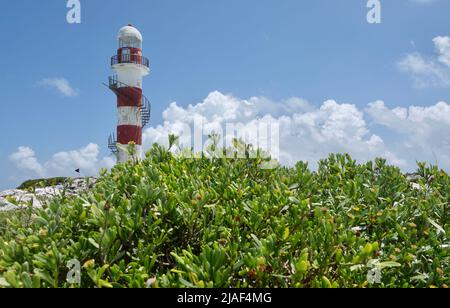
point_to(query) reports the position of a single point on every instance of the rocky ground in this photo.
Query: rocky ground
(14, 199)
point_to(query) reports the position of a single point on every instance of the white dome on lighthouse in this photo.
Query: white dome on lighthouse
(129, 34)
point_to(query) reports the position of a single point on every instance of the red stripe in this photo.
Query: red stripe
(132, 49)
(129, 97)
(129, 133)
(134, 55)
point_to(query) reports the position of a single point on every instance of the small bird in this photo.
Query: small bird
(77, 171)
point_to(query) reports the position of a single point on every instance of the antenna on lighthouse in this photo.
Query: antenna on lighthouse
(133, 108)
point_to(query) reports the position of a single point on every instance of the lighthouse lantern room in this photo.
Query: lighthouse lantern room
(133, 108)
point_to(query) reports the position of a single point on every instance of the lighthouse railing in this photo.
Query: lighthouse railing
(127, 58)
(146, 110)
(112, 144)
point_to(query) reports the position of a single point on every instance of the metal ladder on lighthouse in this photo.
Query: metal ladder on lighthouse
(114, 85)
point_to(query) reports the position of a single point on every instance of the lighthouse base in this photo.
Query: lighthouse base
(125, 153)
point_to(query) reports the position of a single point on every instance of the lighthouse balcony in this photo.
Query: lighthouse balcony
(130, 58)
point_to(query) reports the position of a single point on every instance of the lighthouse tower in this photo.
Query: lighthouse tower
(133, 108)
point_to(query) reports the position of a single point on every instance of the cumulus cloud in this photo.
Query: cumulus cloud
(442, 44)
(25, 159)
(63, 163)
(213, 115)
(310, 132)
(432, 71)
(60, 84)
(422, 133)
(306, 132)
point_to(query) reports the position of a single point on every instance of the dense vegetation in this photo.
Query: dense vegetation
(41, 183)
(175, 222)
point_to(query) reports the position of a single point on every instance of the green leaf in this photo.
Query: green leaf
(26, 279)
(36, 282)
(11, 279)
(437, 226)
(93, 243)
(302, 267)
(256, 239)
(294, 200)
(41, 221)
(45, 276)
(102, 270)
(187, 283)
(286, 234)
(326, 283)
(104, 284)
(422, 278)
(389, 264)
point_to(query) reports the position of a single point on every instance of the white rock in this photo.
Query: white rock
(416, 186)
(40, 195)
(10, 192)
(5, 206)
(413, 177)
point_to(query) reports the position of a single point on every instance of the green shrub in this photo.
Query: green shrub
(174, 222)
(41, 183)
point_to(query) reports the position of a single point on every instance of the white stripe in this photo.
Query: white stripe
(129, 78)
(129, 116)
(124, 156)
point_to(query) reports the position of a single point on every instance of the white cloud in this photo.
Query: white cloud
(433, 71)
(63, 163)
(85, 158)
(307, 132)
(61, 84)
(442, 44)
(310, 133)
(25, 159)
(423, 133)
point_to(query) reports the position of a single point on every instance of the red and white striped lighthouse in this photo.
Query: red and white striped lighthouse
(133, 108)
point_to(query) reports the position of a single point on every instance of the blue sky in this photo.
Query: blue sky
(311, 50)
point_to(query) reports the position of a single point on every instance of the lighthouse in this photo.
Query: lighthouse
(133, 108)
